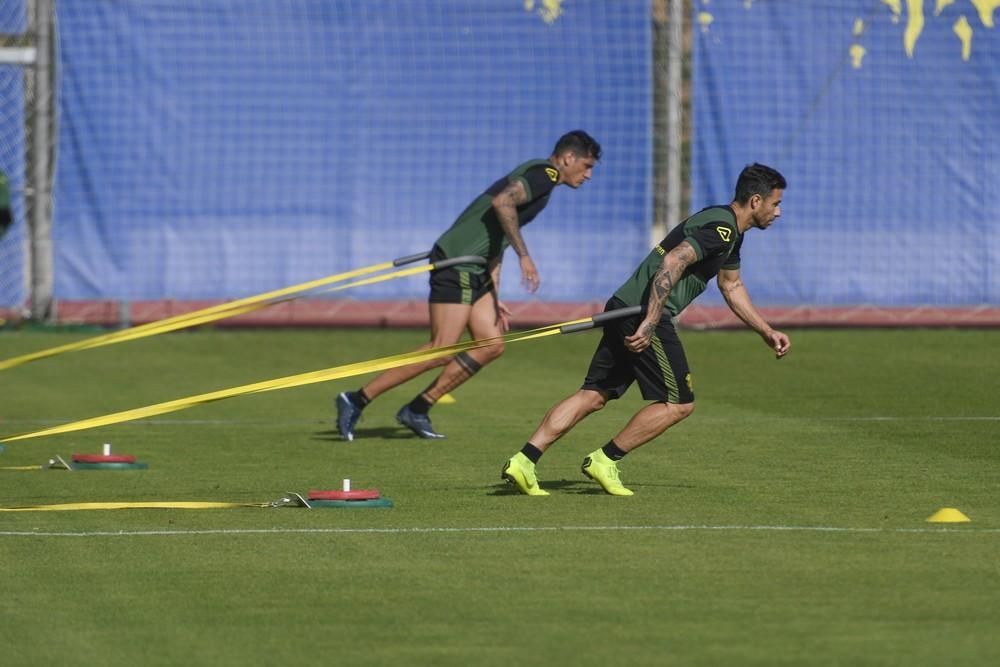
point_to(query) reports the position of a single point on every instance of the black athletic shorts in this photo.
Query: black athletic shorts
(452, 285)
(661, 369)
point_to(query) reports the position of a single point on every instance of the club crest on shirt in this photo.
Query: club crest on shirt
(725, 233)
(553, 174)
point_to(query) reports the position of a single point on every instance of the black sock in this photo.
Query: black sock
(359, 398)
(612, 451)
(420, 405)
(533, 453)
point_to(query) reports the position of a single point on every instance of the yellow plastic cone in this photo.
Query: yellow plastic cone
(447, 399)
(948, 515)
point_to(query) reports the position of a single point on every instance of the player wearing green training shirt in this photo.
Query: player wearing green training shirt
(479, 230)
(645, 348)
(466, 296)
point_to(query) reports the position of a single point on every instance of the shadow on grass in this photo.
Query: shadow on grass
(384, 432)
(581, 487)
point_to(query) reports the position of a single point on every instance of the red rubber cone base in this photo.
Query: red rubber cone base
(103, 458)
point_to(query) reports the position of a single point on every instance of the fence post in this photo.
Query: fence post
(38, 193)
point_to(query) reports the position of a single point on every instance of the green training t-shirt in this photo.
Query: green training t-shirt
(477, 230)
(716, 240)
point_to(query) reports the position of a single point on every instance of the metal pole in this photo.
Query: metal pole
(40, 217)
(675, 57)
(668, 56)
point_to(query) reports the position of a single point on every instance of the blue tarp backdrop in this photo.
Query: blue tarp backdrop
(886, 124)
(220, 148)
(12, 154)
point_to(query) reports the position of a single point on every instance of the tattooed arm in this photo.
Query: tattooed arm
(670, 272)
(738, 300)
(505, 204)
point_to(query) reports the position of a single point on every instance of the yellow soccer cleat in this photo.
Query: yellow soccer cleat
(598, 467)
(520, 471)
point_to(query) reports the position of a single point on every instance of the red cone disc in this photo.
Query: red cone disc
(360, 494)
(101, 458)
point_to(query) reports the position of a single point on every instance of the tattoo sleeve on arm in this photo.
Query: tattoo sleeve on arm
(505, 204)
(674, 264)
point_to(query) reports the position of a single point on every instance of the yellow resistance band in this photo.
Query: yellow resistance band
(290, 499)
(240, 306)
(172, 504)
(325, 375)
(199, 317)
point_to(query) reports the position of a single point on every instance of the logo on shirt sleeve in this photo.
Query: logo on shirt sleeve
(725, 233)
(553, 174)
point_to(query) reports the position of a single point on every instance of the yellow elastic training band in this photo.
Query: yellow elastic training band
(170, 504)
(194, 318)
(232, 308)
(313, 377)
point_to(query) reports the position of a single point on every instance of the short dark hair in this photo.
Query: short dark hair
(578, 142)
(757, 179)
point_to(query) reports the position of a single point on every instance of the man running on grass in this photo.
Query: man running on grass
(645, 347)
(466, 296)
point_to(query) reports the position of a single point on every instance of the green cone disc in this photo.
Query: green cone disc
(374, 502)
(108, 466)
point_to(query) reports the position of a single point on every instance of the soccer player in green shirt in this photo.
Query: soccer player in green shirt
(466, 296)
(645, 347)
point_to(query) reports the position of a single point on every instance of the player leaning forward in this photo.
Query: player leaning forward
(465, 297)
(645, 347)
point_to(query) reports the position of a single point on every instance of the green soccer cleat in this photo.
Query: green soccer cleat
(598, 467)
(520, 471)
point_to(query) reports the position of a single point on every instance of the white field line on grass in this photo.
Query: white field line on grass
(485, 529)
(295, 422)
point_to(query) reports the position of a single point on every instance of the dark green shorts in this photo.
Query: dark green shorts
(661, 369)
(452, 285)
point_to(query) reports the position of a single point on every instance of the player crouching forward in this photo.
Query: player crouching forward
(645, 347)
(466, 297)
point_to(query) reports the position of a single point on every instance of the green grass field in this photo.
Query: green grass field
(782, 524)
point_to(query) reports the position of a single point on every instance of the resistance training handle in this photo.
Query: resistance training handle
(455, 261)
(409, 259)
(616, 314)
(606, 316)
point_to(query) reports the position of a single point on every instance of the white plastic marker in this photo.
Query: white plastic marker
(347, 485)
(107, 449)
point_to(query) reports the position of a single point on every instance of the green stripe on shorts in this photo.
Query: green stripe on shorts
(673, 396)
(463, 279)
